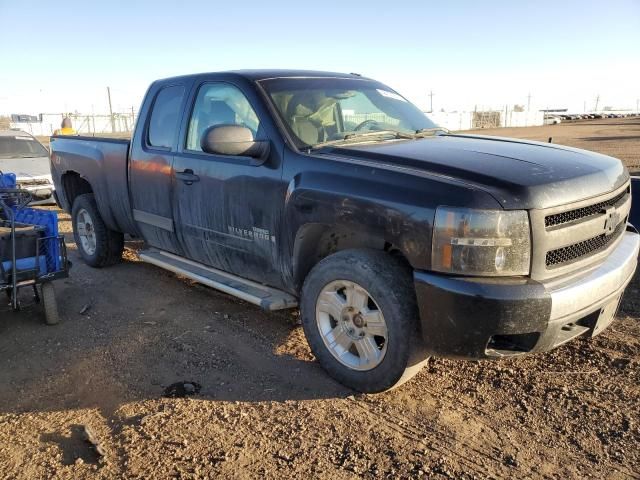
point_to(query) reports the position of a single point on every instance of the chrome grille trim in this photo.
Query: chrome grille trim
(580, 213)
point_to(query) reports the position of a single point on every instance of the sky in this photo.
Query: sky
(61, 56)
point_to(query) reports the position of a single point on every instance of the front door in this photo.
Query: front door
(226, 208)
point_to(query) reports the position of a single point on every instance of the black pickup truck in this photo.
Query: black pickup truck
(397, 239)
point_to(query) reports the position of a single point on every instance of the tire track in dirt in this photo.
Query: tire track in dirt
(439, 441)
(474, 411)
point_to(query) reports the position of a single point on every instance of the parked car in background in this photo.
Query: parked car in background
(552, 120)
(22, 154)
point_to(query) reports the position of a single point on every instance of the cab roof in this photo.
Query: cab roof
(264, 74)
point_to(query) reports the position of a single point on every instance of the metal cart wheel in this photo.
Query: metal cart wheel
(50, 304)
(15, 306)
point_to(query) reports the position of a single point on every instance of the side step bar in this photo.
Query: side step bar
(266, 297)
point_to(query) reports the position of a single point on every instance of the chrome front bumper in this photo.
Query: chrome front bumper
(596, 287)
(41, 191)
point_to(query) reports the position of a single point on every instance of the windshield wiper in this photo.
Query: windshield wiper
(356, 137)
(426, 132)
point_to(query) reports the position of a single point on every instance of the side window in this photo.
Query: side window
(219, 104)
(165, 116)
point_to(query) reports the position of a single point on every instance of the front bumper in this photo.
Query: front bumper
(487, 318)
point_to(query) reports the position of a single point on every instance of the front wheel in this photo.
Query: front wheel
(359, 315)
(98, 245)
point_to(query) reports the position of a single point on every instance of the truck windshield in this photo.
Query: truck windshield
(321, 111)
(21, 147)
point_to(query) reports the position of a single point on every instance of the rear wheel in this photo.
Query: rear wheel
(359, 316)
(50, 304)
(98, 245)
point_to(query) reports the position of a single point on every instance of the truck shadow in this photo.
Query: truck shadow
(130, 331)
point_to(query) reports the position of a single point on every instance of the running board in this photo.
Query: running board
(266, 297)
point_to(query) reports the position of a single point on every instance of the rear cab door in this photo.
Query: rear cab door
(150, 167)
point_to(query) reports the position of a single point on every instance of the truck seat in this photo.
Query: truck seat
(299, 111)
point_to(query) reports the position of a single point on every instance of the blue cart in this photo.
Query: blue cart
(32, 254)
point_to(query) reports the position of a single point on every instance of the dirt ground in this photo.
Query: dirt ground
(265, 409)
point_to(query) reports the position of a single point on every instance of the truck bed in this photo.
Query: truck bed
(102, 162)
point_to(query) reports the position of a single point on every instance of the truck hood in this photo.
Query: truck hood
(25, 168)
(517, 173)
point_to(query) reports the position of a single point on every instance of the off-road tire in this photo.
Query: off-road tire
(389, 282)
(109, 244)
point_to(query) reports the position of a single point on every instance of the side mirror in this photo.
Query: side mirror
(233, 140)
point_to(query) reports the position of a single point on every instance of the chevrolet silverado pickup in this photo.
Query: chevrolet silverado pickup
(397, 239)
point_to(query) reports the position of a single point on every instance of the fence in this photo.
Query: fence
(487, 119)
(83, 124)
(356, 119)
(124, 122)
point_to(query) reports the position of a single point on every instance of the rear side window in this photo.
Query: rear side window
(165, 116)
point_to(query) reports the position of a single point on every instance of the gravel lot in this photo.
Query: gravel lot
(265, 409)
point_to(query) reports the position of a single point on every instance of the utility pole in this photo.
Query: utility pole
(430, 101)
(584, 106)
(595, 109)
(113, 125)
(529, 102)
(93, 120)
(637, 103)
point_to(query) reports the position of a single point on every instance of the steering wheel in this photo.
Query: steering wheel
(366, 122)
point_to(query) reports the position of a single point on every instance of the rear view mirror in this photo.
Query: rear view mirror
(233, 140)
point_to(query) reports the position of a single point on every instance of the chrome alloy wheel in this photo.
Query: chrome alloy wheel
(351, 325)
(86, 232)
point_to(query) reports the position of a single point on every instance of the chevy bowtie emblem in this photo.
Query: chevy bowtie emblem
(612, 220)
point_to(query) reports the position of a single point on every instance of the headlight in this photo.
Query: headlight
(481, 242)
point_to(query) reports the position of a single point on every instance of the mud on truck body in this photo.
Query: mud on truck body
(332, 192)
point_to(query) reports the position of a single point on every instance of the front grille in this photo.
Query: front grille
(576, 251)
(579, 213)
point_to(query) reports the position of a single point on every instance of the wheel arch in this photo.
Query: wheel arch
(316, 241)
(73, 185)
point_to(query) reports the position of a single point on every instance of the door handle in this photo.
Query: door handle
(187, 176)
